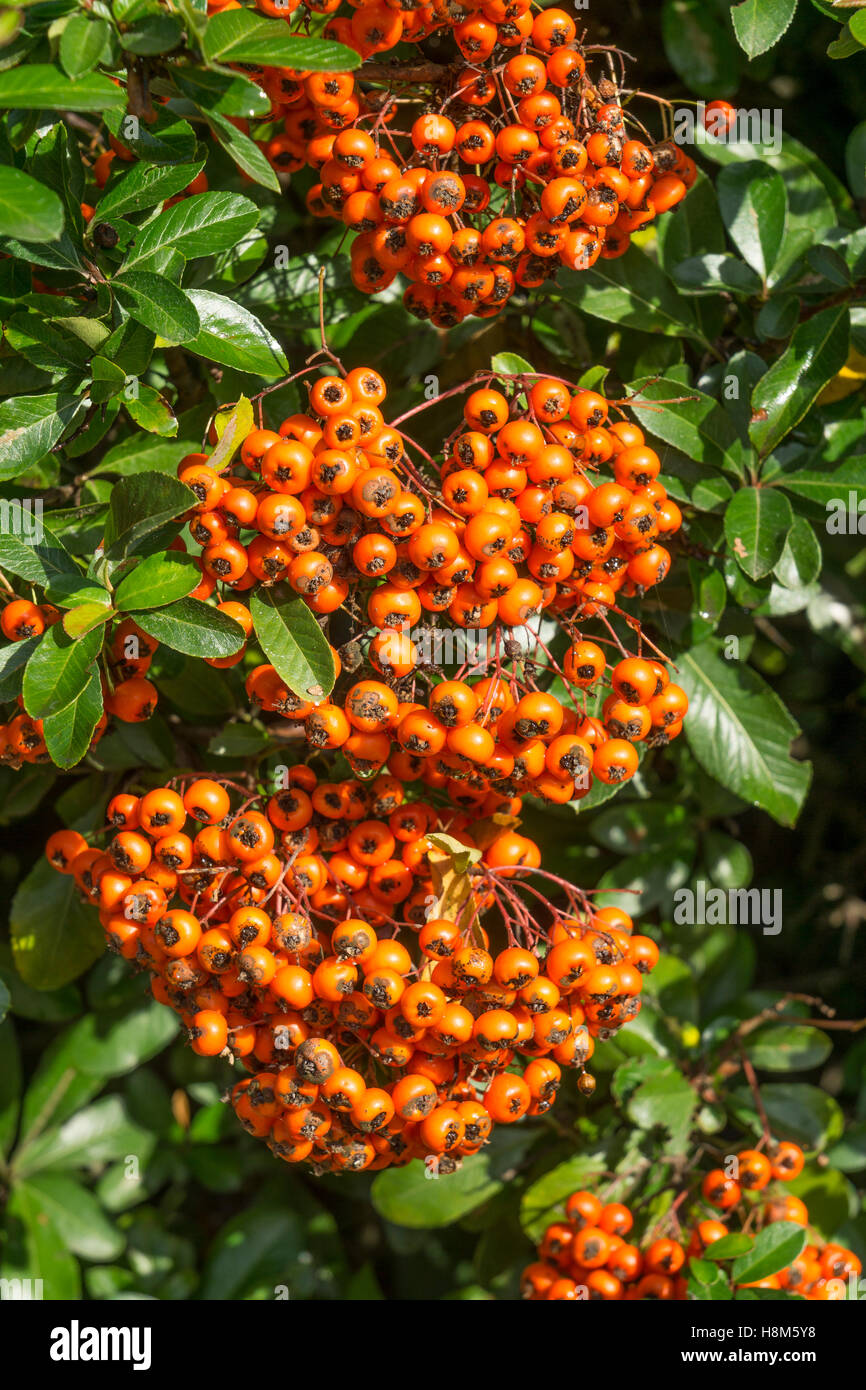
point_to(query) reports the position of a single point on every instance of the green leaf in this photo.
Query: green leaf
(510, 364)
(12, 658)
(544, 1199)
(637, 294)
(283, 1240)
(159, 304)
(666, 1100)
(82, 43)
(37, 1250)
(741, 733)
(729, 1247)
(774, 1249)
(697, 425)
(84, 616)
(98, 1134)
(759, 24)
(144, 185)
(728, 861)
(712, 272)
(30, 426)
(198, 226)
(800, 561)
(757, 522)
(193, 627)
(41, 87)
(152, 34)
(805, 1114)
(10, 1082)
(151, 411)
(233, 336)
(58, 670)
(644, 880)
(228, 94)
(829, 488)
(242, 36)
(54, 935)
(293, 641)
(788, 1047)
(244, 151)
(140, 505)
(156, 581)
(855, 160)
(754, 204)
(817, 351)
(37, 563)
(850, 1152)
(77, 1216)
(640, 827)
(68, 732)
(415, 1196)
(28, 209)
(700, 47)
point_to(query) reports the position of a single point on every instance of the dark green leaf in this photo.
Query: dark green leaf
(151, 411)
(817, 351)
(757, 522)
(41, 87)
(199, 226)
(805, 1114)
(293, 641)
(144, 185)
(700, 47)
(696, 424)
(10, 1080)
(77, 1216)
(152, 34)
(98, 1134)
(788, 1047)
(242, 36)
(416, 1196)
(82, 42)
(37, 563)
(741, 733)
(68, 732)
(753, 204)
(58, 670)
(54, 935)
(28, 209)
(228, 94)
(244, 151)
(712, 273)
(37, 1251)
(230, 334)
(774, 1249)
(634, 293)
(30, 426)
(140, 505)
(161, 306)
(800, 561)
(193, 627)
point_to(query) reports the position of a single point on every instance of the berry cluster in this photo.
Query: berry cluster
(518, 521)
(277, 935)
(517, 162)
(588, 1256)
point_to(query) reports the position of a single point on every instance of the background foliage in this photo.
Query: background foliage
(750, 301)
